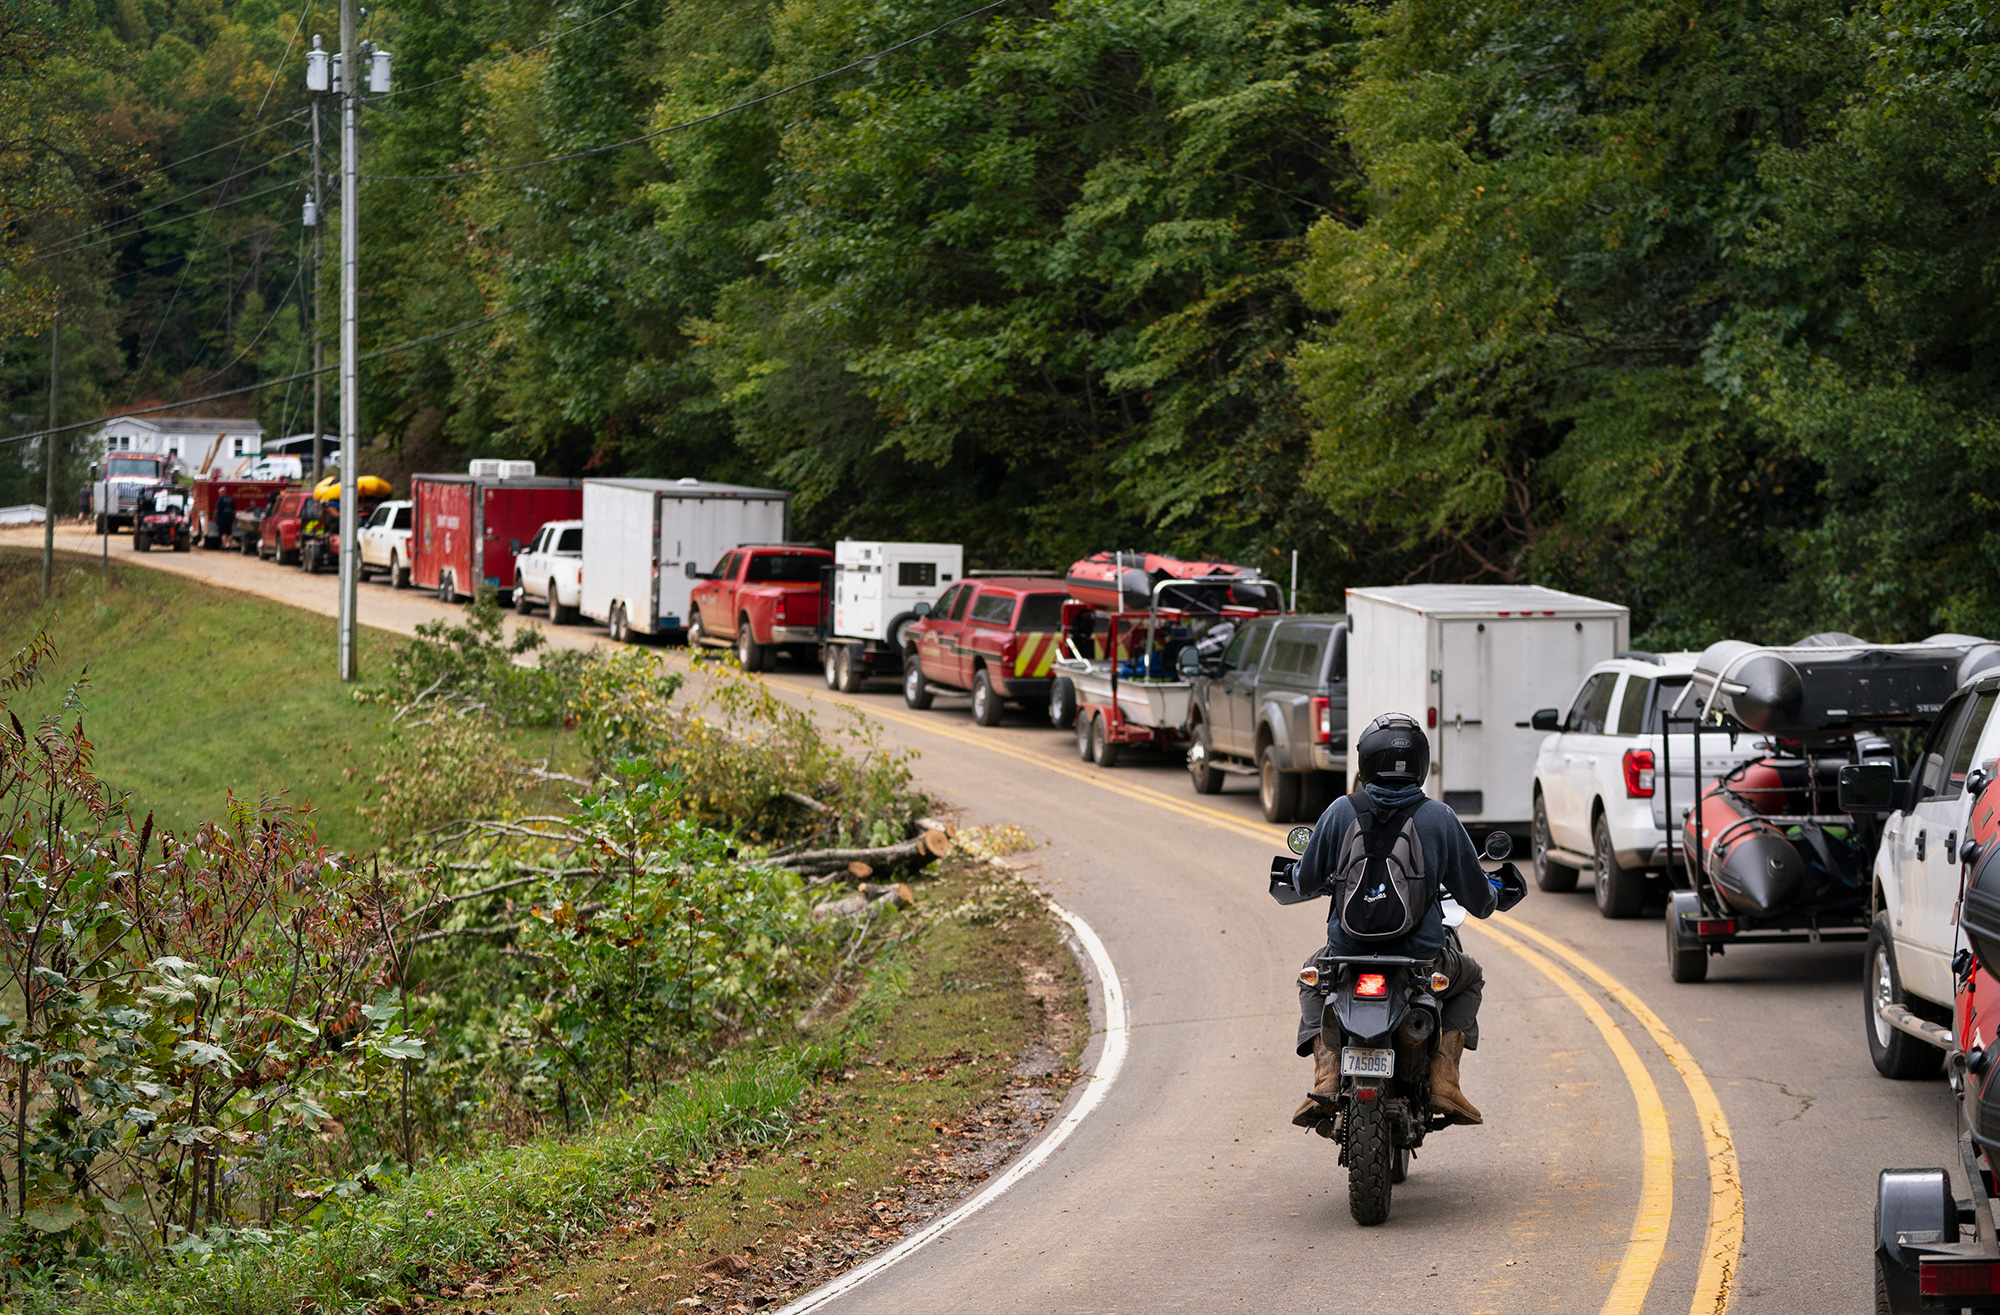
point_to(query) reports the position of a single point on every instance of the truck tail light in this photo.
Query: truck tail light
(1639, 773)
(778, 611)
(1958, 1278)
(1322, 721)
(1010, 652)
(1372, 985)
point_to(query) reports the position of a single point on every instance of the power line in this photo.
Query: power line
(375, 355)
(172, 164)
(78, 244)
(693, 123)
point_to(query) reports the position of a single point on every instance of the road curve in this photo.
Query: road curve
(1187, 1187)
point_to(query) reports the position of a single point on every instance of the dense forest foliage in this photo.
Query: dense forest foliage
(1679, 304)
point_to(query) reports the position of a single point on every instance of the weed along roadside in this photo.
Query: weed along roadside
(959, 1043)
(651, 976)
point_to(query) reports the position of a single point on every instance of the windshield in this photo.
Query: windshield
(783, 568)
(143, 467)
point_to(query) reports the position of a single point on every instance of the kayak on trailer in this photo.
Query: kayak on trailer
(1125, 581)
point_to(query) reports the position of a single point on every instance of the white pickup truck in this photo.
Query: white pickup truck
(1907, 985)
(385, 544)
(1599, 802)
(550, 571)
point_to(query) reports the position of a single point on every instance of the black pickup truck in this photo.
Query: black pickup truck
(1274, 705)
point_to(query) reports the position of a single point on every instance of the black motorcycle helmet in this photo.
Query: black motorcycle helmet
(1392, 751)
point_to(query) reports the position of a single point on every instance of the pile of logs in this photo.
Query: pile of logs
(823, 867)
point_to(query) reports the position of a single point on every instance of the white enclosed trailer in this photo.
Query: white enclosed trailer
(646, 540)
(878, 589)
(1472, 663)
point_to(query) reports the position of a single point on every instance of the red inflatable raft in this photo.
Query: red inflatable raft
(1124, 581)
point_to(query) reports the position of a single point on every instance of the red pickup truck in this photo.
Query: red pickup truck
(278, 533)
(997, 637)
(760, 597)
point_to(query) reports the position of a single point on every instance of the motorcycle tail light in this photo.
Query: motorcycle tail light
(1639, 773)
(1958, 1278)
(1371, 984)
(1322, 721)
(1309, 976)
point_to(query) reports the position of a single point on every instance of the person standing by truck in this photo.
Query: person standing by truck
(225, 516)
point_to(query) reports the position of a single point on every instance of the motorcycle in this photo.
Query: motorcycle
(1382, 1018)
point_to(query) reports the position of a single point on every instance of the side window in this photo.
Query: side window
(1963, 753)
(1586, 716)
(994, 609)
(571, 540)
(958, 604)
(1232, 657)
(1937, 748)
(946, 601)
(726, 568)
(1253, 652)
(1632, 710)
(402, 518)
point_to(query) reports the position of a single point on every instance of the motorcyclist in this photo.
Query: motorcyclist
(1392, 761)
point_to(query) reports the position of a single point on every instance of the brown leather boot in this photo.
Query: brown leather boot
(1446, 1098)
(1326, 1082)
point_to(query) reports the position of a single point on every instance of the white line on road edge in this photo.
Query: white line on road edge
(1108, 1064)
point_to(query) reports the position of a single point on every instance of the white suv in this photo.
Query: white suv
(550, 570)
(385, 543)
(1599, 796)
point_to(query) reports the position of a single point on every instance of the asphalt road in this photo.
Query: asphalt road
(1597, 1182)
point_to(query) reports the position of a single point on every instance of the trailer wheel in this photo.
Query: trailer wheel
(986, 703)
(1201, 762)
(1550, 876)
(1896, 1053)
(1687, 961)
(1103, 749)
(615, 625)
(916, 691)
(1085, 719)
(851, 674)
(750, 655)
(447, 592)
(1062, 703)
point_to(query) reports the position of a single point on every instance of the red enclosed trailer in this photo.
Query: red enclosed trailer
(469, 527)
(249, 495)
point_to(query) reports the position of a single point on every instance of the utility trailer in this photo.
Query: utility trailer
(870, 595)
(1472, 662)
(647, 542)
(470, 527)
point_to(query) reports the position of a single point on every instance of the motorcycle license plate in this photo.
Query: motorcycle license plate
(1357, 1062)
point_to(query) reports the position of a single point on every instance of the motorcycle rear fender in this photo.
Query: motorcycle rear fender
(1370, 1020)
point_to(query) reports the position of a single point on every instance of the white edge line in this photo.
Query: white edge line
(1108, 1063)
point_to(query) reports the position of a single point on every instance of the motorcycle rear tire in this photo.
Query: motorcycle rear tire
(1371, 1162)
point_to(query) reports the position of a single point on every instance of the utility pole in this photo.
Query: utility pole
(350, 336)
(318, 318)
(52, 444)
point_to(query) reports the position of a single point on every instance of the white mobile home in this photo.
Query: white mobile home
(198, 444)
(1472, 663)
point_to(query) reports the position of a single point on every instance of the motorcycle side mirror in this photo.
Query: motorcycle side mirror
(1189, 662)
(1498, 845)
(1298, 838)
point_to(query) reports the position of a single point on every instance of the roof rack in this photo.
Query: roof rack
(1641, 655)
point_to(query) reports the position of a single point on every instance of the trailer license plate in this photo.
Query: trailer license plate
(1355, 1062)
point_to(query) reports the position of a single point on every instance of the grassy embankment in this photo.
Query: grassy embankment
(195, 691)
(758, 1178)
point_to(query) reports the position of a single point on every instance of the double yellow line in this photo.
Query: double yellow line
(1723, 1243)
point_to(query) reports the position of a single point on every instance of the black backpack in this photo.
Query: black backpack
(1380, 889)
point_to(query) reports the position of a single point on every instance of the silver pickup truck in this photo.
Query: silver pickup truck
(1274, 705)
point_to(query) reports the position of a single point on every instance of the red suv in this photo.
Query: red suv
(997, 638)
(759, 598)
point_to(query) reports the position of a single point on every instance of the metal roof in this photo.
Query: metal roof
(1485, 599)
(192, 425)
(691, 488)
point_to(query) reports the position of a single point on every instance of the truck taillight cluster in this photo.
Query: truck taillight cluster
(778, 608)
(1639, 773)
(1322, 721)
